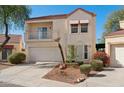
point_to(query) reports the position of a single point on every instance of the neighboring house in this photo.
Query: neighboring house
(75, 29)
(114, 46)
(14, 45)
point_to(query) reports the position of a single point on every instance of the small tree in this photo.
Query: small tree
(12, 16)
(112, 23)
(60, 48)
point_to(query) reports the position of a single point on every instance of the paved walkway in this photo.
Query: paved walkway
(31, 75)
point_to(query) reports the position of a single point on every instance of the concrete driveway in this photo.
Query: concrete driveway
(110, 77)
(30, 75)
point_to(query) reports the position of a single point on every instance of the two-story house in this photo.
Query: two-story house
(74, 29)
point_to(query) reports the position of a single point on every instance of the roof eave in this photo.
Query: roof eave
(61, 16)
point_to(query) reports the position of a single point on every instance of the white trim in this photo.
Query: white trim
(84, 21)
(114, 36)
(74, 21)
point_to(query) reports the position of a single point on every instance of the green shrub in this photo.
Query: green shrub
(71, 54)
(80, 62)
(85, 69)
(17, 58)
(97, 65)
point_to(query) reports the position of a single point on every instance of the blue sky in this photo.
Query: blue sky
(102, 11)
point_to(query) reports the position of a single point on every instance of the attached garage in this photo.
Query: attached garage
(114, 46)
(38, 54)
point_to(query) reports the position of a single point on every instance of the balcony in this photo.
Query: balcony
(38, 35)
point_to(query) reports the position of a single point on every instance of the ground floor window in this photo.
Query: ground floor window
(71, 53)
(77, 52)
(85, 52)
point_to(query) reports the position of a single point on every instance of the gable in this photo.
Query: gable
(79, 14)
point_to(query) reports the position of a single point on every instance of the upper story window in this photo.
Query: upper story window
(74, 28)
(43, 34)
(42, 29)
(84, 27)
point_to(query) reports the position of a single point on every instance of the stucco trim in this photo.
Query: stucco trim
(114, 36)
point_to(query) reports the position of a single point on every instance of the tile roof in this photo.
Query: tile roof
(60, 16)
(13, 39)
(119, 32)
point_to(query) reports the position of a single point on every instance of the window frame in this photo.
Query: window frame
(84, 26)
(42, 32)
(86, 54)
(73, 32)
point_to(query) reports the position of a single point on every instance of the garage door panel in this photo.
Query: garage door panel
(117, 55)
(45, 54)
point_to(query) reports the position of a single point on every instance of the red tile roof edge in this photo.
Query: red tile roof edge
(13, 38)
(119, 32)
(60, 16)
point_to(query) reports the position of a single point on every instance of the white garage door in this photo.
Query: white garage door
(117, 55)
(44, 54)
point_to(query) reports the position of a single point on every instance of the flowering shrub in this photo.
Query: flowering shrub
(103, 57)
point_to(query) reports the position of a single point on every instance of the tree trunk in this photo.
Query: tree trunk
(7, 38)
(62, 54)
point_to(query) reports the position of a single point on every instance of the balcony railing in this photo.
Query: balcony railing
(40, 35)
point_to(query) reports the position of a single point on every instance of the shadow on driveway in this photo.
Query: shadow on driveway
(97, 75)
(109, 69)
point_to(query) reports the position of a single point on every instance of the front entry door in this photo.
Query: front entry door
(6, 53)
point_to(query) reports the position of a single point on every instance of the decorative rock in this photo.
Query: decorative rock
(78, 80)
(62, 66)
(81, 79)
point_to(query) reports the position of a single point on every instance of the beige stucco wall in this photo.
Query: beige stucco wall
(83, 38)
(61, 28)
(32, 26)
(110, 40)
